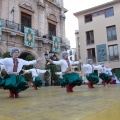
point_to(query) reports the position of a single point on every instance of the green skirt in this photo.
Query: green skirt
(16, 83)
(71, 79)
(105, 77)
(38, 82)
(2, 82)
(93, 78)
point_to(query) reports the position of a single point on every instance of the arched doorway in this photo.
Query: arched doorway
(24, 55)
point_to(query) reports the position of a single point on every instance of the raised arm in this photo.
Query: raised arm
(55, 62)
(75, 62)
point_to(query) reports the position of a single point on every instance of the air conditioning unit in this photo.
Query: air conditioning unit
(12, 34)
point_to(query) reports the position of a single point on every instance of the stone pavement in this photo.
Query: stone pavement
(53, 103)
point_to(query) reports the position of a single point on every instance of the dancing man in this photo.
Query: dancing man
(90, 75)
(68, 78)
(37, 81)
(13, 81)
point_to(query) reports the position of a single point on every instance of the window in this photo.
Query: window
(26, 19)
(70, 58)
(109, 12)
(70, 52)
(88, 18)
(113, 52)
(52, 30)
(78, 41)
(111, 33)
(90, 37)
(91, 54)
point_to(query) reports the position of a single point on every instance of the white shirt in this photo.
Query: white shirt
(35, 72)
(8, 63)
(102, 69)
(64, 65)
(109, 71)
(90, 68)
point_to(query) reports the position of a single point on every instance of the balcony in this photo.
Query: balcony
(49, 37)
(93, 59)
(89, 42)
(15, 26)
(112, 58)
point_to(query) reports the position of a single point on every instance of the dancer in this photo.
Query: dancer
(103, 75)
(37, 81)
(90, 75)
(68, 79)
(13, 81)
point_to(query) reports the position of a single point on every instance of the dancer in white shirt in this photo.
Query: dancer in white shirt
(37, 81)
(67, 78)
(13, 81)
(90, 75)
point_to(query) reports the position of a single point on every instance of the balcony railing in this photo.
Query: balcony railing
(50, 37)
(112, 58)
(89, 42)
(15, 26)
(93, 59)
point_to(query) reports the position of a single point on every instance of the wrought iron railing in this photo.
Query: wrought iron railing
(112, 58)
(50, 37)
(15, 26)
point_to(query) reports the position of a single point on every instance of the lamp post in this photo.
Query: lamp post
(51, 56)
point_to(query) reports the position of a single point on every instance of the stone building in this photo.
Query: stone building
(99, 36)
(46, 18)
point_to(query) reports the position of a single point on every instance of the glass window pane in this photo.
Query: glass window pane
(115, 50)
(111, 51)
(109, 12)
(114, 33)
(109, 34)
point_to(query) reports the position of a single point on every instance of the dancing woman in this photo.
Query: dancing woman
(90, 75)
(37, 81)
(68, 78)
(12, 80)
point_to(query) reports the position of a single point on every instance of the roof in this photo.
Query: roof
(96, 7)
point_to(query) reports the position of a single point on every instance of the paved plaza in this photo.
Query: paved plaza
(53, 103)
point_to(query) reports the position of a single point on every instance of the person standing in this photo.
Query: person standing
(68, 78)
(13, 81)
(37, 81)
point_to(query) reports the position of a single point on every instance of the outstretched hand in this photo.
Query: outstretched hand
(49, 60)
(39, 59)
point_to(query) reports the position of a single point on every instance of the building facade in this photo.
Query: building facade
(45, 18)
(99, 36)
(72, 54)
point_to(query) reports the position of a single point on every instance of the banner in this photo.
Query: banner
(56, 44)
(101, 53)
(0, 30)
(29, 36)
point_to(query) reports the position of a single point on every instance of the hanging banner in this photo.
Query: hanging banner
(0, 30)
(56, 44)
(101, 53)
(29, 36)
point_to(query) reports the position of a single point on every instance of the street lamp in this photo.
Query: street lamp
(46, 55)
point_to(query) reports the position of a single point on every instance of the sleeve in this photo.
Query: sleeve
(27, 71)
(3, 61)
(75, 62)
(57, 62)
(41, 71)
(98, 67)
(84, 65)
(29, 62)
